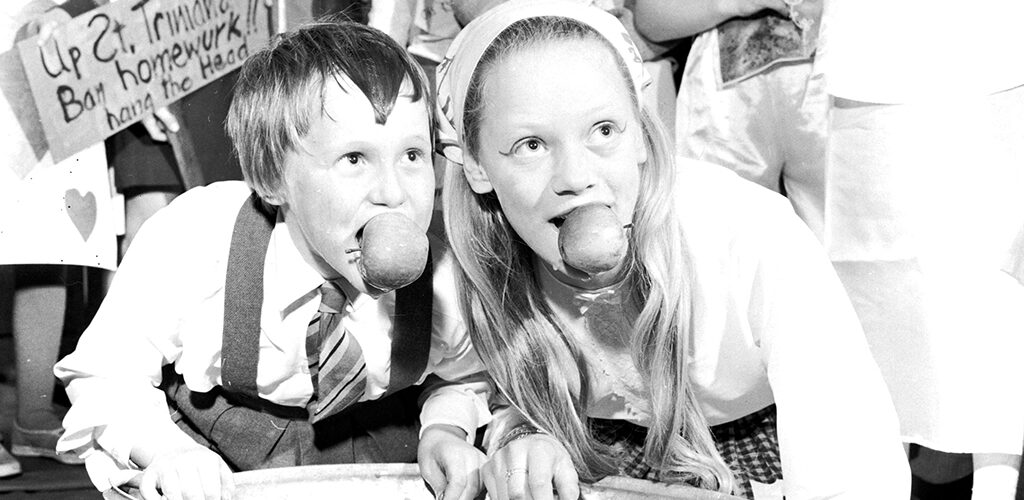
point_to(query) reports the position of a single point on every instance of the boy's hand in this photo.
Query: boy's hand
(187, 473)
(531, 467)
(449, 464)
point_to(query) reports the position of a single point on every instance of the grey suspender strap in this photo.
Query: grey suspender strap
(410, 339)
(243, 303)
(243, 298)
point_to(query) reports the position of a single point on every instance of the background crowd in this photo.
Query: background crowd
(903, 154)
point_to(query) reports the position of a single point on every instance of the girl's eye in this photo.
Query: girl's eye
(604, 132)
(531, 146)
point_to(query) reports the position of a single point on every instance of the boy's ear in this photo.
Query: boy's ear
(274, 199)
(476, 176)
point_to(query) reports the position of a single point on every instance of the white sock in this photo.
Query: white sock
(995, 481)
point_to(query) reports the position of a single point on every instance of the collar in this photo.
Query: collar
(577, 301)
(290, 281)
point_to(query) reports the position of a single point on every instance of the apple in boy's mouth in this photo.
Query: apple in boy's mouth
(393, 251)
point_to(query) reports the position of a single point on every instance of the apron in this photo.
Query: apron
(250, 432)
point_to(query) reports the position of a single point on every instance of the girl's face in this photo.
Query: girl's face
(559, 130)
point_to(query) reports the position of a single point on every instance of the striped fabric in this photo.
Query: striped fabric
(336, 363)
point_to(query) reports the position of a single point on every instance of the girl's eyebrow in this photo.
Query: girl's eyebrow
(600, 106)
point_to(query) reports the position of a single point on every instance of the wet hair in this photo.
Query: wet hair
(281, 88)
(528, 352)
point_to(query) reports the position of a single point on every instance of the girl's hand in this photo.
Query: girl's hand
(449, 464)
(187, 473)
(531, 467)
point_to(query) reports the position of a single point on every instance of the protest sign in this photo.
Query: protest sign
(110, 67)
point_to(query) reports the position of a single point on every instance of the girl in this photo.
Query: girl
(722, 307)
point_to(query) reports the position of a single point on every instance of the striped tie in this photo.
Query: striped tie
(336, 363)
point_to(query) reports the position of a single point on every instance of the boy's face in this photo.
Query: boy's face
(349, 168)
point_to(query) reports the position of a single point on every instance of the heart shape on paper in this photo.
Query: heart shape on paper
(81, 211)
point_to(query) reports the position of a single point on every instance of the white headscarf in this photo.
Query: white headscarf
(456, 70)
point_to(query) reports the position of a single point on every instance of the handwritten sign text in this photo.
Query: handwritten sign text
(109, 67)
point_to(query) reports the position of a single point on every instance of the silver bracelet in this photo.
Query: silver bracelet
(518, 432)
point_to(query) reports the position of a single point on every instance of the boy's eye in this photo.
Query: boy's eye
(413, 155)
(352, 158)
(528, 147)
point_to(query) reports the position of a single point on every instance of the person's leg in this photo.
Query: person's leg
(9, 466)
(1020, 486)
(39, 304)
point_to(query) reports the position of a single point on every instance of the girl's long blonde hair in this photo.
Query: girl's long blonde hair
(527, 349)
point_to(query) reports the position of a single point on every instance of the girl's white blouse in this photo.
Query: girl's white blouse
(771, 323)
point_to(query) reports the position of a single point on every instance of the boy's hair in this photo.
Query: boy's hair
(518, 336)
(280, 88)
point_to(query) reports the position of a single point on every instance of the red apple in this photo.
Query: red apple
(592, 239)
(393, 251)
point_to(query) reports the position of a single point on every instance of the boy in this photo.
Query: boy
(333, 126)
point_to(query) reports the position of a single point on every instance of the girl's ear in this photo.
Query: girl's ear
(476, 176)
(641, 146)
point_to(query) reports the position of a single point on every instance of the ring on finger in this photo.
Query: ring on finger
(510, 472)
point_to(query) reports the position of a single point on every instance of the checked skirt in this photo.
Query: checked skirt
(749, 446)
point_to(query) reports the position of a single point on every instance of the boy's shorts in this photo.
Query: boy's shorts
(261, 434)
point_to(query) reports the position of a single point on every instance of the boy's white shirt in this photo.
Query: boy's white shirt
(112, 376)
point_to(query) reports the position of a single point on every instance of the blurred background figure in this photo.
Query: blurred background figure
(747, 99)
(924, 214)
(35, 312)
(144, 167)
